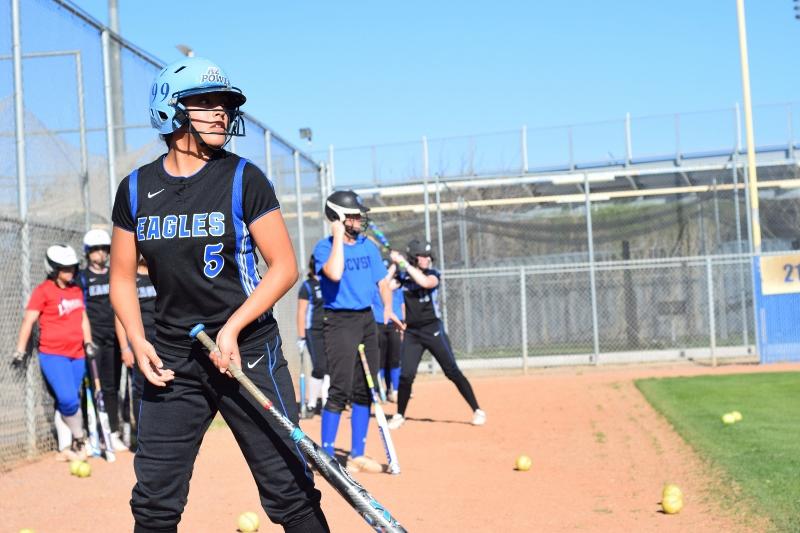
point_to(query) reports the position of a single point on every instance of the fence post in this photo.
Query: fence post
(739, 250)
(298, 191)
(712, 324)
(425, 195)
(523, 312)
(592, 281)
(22, 199)
(628, 143)
(110, 134)
(524, 150)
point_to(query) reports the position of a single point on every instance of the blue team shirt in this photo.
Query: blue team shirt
(363, 269)
(397, 305)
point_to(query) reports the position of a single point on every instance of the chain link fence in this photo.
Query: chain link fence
(73, 123)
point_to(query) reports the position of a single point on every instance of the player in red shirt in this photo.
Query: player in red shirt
(57, 303)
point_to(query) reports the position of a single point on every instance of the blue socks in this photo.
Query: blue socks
(330, 426)
(394, 375)
(359, 424)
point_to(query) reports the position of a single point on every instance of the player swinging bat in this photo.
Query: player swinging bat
(373, 512)
(380, 416)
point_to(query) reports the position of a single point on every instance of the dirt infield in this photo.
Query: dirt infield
(600, 457)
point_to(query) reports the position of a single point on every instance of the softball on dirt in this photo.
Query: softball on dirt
(672, 504)
(74, 466)
(671, 490)
(728, 418)
(248, 522)
(523, 463)
(83, 470)
(737, 416)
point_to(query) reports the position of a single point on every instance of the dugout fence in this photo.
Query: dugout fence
(73, 123)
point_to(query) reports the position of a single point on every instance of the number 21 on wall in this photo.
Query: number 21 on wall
(791, 269)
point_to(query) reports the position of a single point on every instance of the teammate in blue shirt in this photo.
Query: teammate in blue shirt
(351, 270)
(390, 336)
(425, 330)
(310, 313)
(197, 215)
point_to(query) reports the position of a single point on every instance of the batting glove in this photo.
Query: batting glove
(301, 344)
(17, 358)
(90, 348)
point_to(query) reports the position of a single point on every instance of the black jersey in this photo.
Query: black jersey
(422, 305)
(310, 290)
(194, 234)
(147, 300)
(98, 303)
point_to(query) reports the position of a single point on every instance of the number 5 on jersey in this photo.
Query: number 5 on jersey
(213, 259)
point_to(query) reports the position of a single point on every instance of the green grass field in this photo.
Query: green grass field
(760, 454)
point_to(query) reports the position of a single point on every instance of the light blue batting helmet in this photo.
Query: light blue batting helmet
(187, 77)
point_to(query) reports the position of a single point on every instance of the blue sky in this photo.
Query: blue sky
(360, 72)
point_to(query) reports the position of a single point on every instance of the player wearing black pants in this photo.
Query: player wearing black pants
(93, 280)
(425, 331)
(350, 270)
(390, 337)
(197, 216)
(310, 313)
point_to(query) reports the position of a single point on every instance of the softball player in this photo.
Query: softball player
(65, 335)
(197, 216)
(425, 330)
(390, 336)
(350, 270)
(93, 280)
(309, 323)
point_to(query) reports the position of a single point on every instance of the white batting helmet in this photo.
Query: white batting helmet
(95, 237)
(59, 256)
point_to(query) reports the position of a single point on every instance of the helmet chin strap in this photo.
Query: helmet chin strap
(199, 138)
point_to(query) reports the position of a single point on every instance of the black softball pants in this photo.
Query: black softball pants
(174, 419)
(433, 338)
(344, 331)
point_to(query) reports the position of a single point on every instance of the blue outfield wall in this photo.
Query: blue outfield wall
(777, 314)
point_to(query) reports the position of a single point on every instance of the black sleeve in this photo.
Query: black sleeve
(302, 294)
(258, 194)
(121, 214)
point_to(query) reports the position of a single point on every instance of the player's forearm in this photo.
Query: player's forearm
(125, 301)
(334, 266)
(423, 280)
(119, 329)
(86, 328)
(386, 293)
(25, 330)
(302, 306)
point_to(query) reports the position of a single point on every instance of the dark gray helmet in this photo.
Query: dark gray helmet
(343, 203)
(417, 247)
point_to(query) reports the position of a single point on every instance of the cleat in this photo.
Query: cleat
(479, 417)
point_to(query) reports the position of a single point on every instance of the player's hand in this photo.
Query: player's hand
(337, 229)
(228, 344)
(90, 348)
(127, 356)
(301, 344)
(397, 258)
(17, 357)
(150, 364)
(389, 316)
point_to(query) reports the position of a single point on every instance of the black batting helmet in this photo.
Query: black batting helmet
(343, 203)
(417, 247)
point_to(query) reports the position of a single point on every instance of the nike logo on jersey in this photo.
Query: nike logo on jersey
(436, 334)
(92, 280)
(152, 194)
(254, 363)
